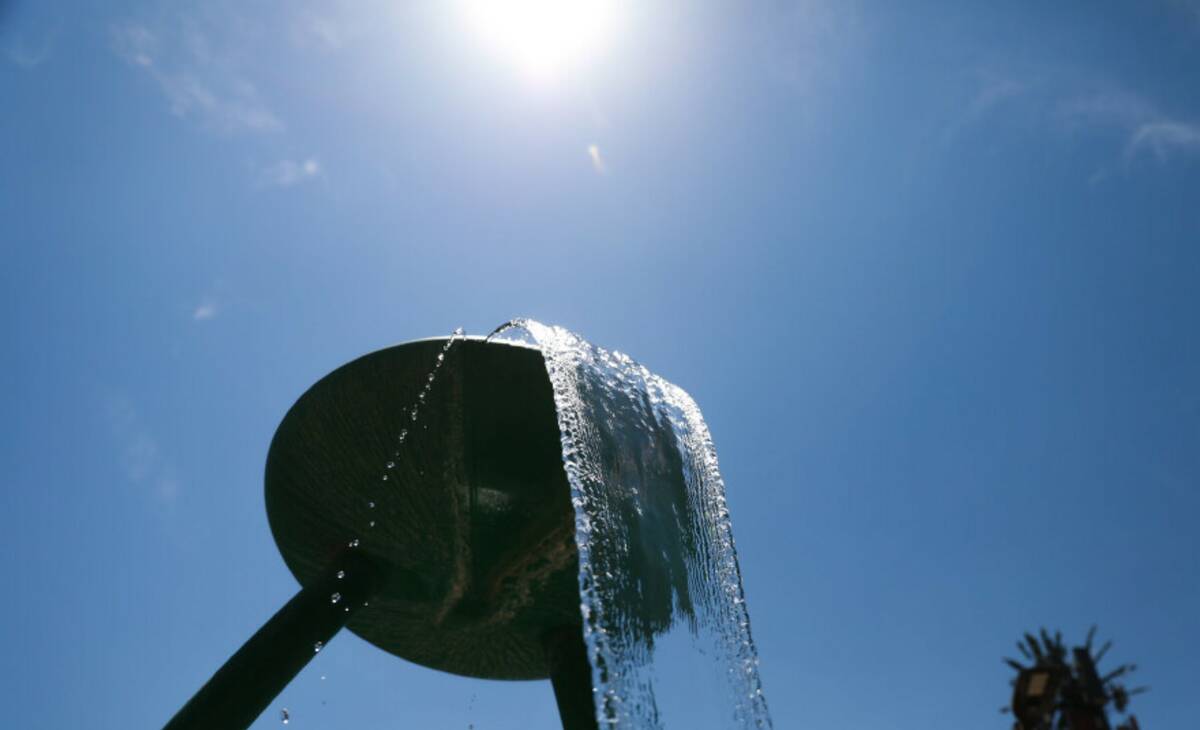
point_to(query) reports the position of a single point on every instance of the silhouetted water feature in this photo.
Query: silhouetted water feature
(665, 618)
(442, 524)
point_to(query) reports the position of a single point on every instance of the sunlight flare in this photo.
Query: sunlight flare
(545, 38)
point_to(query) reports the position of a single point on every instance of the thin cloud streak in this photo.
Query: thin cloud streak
(994, 92)
(30, 33)
(138, 452)
(196, 86)
(806, 43)
(311, 29)
(1146, 129)
(1165, 138)
(28, 57)
(286, 173)
(1111, 107)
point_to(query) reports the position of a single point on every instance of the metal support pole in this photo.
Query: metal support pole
(571, 674)
(251, 679)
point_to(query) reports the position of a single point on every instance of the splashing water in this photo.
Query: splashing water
(664, 614)
(412, 413)
(414, 410)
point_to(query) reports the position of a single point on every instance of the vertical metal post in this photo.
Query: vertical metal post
(571, 674)
(248, 682)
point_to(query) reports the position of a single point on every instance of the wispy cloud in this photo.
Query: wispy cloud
(990, 90)
(1107, 107)
(138, 451)
(196, 80)
(1165, 138)
(334, 25)
(311, 29)
(1057, 100)
(994, 91)
(807, 42)
(29, 32)
(1146, 129)
(286, 173)
(28, 55)
(205, 311)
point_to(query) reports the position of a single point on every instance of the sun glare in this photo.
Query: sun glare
(545, 38)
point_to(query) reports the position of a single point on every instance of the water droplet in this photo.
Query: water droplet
(441, 357)
(317, 647)
(371, 523)
(391, 465)
(403, 435)
(284, 716)
(341, 574)
(370, 505)
(335, 598)
(414, 414)
(354, 543)
(322, 677)
(347, 609)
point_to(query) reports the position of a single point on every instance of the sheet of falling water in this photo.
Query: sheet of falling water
(665, 619)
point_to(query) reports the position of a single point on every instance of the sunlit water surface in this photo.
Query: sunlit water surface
(664, 614)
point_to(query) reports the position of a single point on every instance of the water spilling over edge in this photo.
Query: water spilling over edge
(658, 571)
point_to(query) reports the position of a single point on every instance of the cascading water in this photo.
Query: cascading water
(664, 615)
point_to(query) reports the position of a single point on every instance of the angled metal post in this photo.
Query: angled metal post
(251, 679)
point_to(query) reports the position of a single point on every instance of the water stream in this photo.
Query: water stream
(665, 618)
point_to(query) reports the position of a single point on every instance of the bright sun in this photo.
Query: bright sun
(544, 37)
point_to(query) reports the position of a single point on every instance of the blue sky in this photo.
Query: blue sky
(929, 269)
